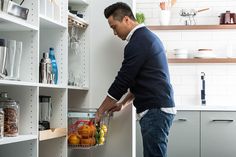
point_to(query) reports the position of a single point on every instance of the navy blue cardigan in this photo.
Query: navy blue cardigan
(145, 71)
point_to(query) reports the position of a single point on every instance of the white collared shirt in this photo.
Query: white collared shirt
(133, 30)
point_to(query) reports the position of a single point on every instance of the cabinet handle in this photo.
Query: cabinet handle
(182, 119)
(222, 120)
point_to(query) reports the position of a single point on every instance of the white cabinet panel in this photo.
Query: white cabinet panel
(139, 142)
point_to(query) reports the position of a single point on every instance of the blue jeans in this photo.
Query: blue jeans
(155, 126)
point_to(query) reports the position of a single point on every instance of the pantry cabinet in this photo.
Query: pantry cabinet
(45, 27)
(202, 134)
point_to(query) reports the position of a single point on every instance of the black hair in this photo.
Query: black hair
(119, 10)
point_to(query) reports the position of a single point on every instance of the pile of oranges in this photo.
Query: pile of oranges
(84, 135)
(87, 135)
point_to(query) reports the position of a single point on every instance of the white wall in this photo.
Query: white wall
(151, 9)
(106, 55)
(220, 78)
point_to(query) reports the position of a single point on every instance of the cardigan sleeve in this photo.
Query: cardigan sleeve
(134, 58)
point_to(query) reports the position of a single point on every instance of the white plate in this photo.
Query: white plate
(200, 55)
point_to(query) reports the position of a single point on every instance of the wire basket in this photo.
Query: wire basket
(84, 132)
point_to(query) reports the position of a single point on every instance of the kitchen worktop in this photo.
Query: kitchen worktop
(205, 108)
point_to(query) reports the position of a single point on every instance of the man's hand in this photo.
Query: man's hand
(116, 108)
(106, 106)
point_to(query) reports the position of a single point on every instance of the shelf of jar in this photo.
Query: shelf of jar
(46, 22)
(192, 27)
(202, 60)
(83, 2)
(12, 23)
(77, 88)
(19, 138)
(52, 133)
(18, 83)
(77, 21)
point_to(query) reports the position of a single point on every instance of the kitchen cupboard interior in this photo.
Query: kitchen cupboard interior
(38, 33)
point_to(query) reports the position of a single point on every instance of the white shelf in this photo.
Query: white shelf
(20, 138)
(75, 20)
(51, 86)
(46, 22)
(52, 134)
(12, 23)
(78, 88)
(18, 83)
(83, 2)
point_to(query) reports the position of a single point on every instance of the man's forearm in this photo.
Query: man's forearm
(128, 99)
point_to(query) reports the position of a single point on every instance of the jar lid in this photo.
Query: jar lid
(2, 42)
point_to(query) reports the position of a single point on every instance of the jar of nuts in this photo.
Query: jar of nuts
(11, 115)
(11, 118)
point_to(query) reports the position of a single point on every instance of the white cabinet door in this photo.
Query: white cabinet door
(218, 130)
(139, 141)
(184, 137)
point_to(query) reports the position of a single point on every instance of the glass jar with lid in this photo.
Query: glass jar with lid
(1, 123)
(11, 115)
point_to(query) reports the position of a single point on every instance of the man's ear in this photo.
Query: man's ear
(126, 19)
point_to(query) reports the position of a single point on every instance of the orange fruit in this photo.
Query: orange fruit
(85, 131)
(74, 139)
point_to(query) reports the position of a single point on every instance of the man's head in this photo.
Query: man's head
(120, 19)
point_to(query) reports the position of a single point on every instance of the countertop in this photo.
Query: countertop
(205, 108)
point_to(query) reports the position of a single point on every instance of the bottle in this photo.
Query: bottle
(54, 65)
(227, 17)
(45, 69)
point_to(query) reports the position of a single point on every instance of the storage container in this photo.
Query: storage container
(84, 131)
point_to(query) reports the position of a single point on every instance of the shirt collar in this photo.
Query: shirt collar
(133, 30)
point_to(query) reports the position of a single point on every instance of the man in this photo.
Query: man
(144, 72)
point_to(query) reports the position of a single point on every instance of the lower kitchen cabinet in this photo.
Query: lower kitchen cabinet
(218, 134)
(203, 134)
(184, 137)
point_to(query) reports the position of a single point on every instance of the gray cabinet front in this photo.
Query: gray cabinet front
(218, 134)
(184, 137)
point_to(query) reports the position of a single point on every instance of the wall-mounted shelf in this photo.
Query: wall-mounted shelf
(19, 138)
(52, 133)
(17, 83)
(75, 20)
(77, 88)
(202, 60)
(46, 22)
(12, 23)
(192, 27)
(41, 85)
(83, 2)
